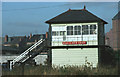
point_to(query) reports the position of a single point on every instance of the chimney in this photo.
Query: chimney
(6, 38)
(30, 36)
(46, 35)
(84, 7)
(69, 9)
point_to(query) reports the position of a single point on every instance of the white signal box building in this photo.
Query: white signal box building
(77, 38)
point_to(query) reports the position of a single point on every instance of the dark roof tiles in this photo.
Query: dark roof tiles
(36, 37)
(75, 16)
(17, 40)
(9, 48)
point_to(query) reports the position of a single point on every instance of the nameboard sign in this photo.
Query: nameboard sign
(74, 42)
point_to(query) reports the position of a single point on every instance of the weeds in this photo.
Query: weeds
(65, 70)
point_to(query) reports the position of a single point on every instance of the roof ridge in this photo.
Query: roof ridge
(69, 16)
(56, 16)
(78, 10)
(64, 13)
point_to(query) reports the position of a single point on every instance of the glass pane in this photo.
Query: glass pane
(79, 27)
(93, 31)
(92, 26)
(68, 28)
(68, 32)
(86, 32)
(61, 33)
(85, 29)
(71, 33)
(75, 28)
(54, 33)
(79, 32)
(71, 27)
(86, 26)
(64, 33)
(75, 32)
(57, 33)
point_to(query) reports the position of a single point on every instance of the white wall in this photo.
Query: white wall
(74, 56)
(4, 59)
(39, 59)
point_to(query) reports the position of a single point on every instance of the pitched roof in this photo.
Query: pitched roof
(16, 40)
(75, 16)
(7, 48)
(36, 37)
(117, 16)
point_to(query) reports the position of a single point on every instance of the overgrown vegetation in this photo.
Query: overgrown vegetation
(65, 70)
(68, 70)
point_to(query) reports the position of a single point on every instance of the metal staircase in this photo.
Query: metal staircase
(27, 54)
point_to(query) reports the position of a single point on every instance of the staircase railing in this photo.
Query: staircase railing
(25, 54)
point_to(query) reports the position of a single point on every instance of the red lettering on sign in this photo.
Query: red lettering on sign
(75, 42)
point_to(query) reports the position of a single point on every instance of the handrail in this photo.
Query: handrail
(21, 56)
(24, 53)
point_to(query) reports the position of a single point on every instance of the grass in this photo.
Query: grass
(66, 70)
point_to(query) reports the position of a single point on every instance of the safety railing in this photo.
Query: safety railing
(25, 55)
(74, 41)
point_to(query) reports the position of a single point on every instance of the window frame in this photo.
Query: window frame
(93, 29)
(77, 29)
(85, 30)
(70, 31)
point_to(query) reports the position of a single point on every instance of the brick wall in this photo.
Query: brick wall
(116, 34)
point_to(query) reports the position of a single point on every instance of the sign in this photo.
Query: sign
(74, 42)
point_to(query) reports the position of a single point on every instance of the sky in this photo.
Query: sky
(23, 18)
(60, 0)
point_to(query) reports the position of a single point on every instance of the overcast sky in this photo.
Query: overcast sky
(23, 18)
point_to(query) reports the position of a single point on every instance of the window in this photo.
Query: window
(69, 30)
(85, 30)
(62, 33)
(77, 30)
(54, 33)
(57, 33)
(93, 29)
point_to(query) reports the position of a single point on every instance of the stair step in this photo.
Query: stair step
(29, 53)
